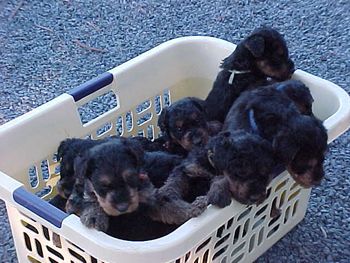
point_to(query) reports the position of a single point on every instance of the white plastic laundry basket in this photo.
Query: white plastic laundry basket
(181, 67)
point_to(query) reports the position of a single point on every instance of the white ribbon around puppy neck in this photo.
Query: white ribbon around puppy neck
(234, 72)
(210, 155)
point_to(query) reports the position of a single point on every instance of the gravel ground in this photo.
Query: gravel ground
(42, 55)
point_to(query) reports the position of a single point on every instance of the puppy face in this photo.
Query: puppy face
(112, 171)
(307, 168)
(303, 149)
(249, 192)
(270, 53)
(185, 123)
(67, 151)
(247, 160)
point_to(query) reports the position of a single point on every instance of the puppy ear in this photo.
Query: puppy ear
(200, 104)
(163, 121)
(217, 149)
(285, 147)
(136, 150)
(272, 119)
(256, 45)
(63, 148)
(83, 167)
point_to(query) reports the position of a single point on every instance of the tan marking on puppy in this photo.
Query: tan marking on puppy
(241, 192)
(185, 141)
(282, 71)
(306, 179)
(109, 207)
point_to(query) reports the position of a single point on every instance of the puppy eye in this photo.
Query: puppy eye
(179, 129)
(132, 180)
(106, 188)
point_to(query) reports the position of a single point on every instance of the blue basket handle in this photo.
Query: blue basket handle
(91, 86)
(39, 207)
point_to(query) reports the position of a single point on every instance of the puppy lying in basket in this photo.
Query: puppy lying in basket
(115, 177)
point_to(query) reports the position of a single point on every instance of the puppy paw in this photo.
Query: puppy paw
(95, 219)
(73, 206)
(220, 199)
(199, 205)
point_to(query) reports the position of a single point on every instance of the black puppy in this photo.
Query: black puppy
(70, 148)
(66, 153)
(112, 181)
(262, 54)
(299, 141)
(184, 123)
(158, 165)
(245, 162)
(235, 164)
(109, 176)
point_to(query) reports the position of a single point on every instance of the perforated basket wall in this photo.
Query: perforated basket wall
(240, 238)
(136, 93)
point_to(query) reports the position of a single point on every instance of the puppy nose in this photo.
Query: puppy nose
(122, 207)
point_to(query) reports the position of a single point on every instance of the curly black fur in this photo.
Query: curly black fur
(245, 162)
(184, 123)
(299, 141)
(116, 177)
(263, 54)
(66, 153)
(110, 176)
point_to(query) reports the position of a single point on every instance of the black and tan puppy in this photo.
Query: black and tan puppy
(262, 54)
(299, 141)
(235, 164)
(66, 153)
(184, 124)
(245, 162)
(112, 182)
(115, 178)
(70, 148)
(302, 147)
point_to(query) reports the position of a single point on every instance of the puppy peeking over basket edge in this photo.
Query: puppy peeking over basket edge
(113, 177)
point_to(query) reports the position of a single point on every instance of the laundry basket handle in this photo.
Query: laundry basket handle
(91, 86)
(39, 207)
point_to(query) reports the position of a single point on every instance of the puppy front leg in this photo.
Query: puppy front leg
(92, 214)
(75, 202)
(176, 186)
(177, 211)
(219, 193)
